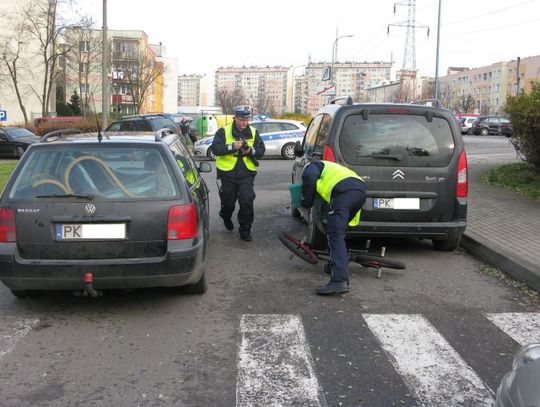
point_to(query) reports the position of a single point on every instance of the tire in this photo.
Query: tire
(484, 132)
(370, 260)
(315, 238)
(298, 248)
(470, 132)
(200, 287)
(287, 151)
(447, 245)
(20, 151)
(210, 154)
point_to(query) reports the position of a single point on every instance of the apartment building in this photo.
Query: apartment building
(192, 90)
(142, 79)
(488, 86)
(350, 79)
(264, 88)
(30, 72)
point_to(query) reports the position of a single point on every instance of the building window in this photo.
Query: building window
(84, 46)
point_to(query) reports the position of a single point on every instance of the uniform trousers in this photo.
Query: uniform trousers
(243, 191)
(343, 207)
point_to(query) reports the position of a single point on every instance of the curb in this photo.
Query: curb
(502, 258)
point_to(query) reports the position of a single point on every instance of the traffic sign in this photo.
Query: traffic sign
(327, 90)
(3, 115)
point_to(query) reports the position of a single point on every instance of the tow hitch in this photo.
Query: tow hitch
(89, 290)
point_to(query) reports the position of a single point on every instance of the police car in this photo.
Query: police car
(279, 137)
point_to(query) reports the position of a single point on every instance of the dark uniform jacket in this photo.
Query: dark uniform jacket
(220, 148)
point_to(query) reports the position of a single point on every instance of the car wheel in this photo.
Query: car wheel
(315, 239)
(447, 245)
(20, 151)
(199, 287)
(210, 154)
(484, 132)
(287, 151)
(470, 132)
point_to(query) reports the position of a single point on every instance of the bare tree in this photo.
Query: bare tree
(139, 75)
(466, 103)
(227, 100)
(13, 63)
(83, 57)
(447, 95)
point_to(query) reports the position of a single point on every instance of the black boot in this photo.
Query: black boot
(333, 287)
(228, 222)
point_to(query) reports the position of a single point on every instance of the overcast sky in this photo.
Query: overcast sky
(204, 35)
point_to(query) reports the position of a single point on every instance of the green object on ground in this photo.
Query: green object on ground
(296, 195)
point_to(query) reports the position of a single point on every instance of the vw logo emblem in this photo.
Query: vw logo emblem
(89, 209)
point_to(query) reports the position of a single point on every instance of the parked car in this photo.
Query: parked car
(465, 124)
(115, 210)
(521, 386)
(413, 160)
(279, 138)
(144, 122)
(15, 140)
(484, 125)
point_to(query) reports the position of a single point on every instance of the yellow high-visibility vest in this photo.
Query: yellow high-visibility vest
(330, 176)
(228, 161)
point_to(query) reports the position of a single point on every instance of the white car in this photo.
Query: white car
(279, 137)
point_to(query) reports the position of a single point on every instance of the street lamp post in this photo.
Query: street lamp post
(104, 72)
(334, 58)
(437, 54)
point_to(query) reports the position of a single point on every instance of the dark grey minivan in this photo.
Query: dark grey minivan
(413, 160)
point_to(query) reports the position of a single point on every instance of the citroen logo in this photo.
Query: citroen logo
(398, 174)
(89, 209)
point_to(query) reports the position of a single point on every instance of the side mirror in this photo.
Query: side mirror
(205, 167)
(298, 151)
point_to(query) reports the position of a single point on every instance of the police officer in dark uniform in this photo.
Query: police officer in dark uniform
(345, 192)
(237, 147)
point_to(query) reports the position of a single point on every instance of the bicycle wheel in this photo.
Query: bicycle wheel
(370, 260)
(298, 248)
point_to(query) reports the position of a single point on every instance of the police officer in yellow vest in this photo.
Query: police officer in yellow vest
(237, 147)
(345, 192)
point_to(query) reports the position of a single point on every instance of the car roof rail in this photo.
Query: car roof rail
(59, 134)
(344, 100)
(160, 133)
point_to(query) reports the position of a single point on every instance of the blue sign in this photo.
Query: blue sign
(3, 115)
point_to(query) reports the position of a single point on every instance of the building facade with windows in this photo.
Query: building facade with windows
(266, 89)
(192, 90)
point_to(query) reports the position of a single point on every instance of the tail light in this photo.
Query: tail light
(182, 222)
(328, 154)
(7, 226)
(462, 184)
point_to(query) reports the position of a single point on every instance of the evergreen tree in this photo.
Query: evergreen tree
(62, 109)
(75, 104)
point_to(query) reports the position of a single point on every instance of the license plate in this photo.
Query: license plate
(90, 231)
(396, 203)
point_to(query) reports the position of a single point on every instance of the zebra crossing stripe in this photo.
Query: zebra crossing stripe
(15, 332)
(524, 328)
(275, 367)
(432, 370)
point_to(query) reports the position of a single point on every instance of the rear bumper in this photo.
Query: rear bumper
(424, 230)
(176, 268)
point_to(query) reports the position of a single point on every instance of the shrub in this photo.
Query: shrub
(524, 111)
(85, 125)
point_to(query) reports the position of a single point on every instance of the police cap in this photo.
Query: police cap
(242, 111)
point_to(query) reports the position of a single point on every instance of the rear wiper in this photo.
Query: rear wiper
(89, 197)
(397, 157)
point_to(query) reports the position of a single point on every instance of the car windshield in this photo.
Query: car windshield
(409, 140)
(103, 172)
(17, 133)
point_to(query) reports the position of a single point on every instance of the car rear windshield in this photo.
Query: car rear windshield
(387, 139)
(95, 172)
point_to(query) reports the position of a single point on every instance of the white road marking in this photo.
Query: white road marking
(275, 367)
(524, 328)
(10, 336)
(431, 369)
